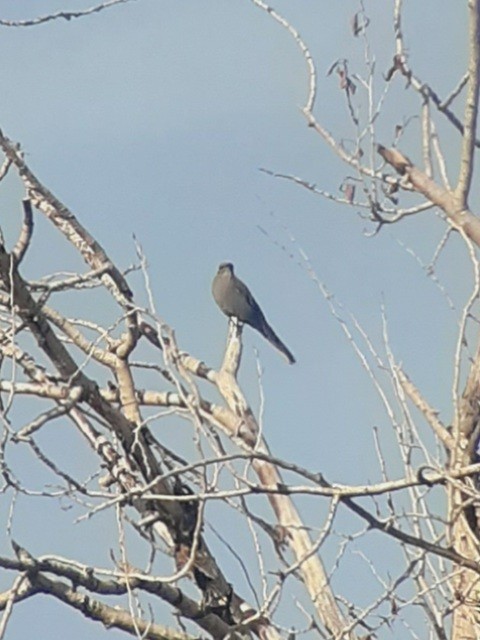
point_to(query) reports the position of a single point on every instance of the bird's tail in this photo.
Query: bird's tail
(274, 340)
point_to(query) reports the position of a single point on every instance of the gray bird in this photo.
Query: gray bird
(234, 299)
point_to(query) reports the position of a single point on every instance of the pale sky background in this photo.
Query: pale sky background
(153, 118)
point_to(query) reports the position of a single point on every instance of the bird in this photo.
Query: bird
(235, 300)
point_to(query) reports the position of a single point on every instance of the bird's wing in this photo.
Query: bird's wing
(242, 290)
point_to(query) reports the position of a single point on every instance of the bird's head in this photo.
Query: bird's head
(226, 268)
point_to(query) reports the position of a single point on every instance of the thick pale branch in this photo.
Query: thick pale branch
(471, 106)
(90, 349)
(310, 566)
(91, 251)
(459, 218)
(468, 414)
(86, 577)
(110, 617)
(422, 405)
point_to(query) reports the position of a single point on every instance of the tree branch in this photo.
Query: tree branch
(471, 106)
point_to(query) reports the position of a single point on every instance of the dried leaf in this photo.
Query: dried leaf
(395, 158)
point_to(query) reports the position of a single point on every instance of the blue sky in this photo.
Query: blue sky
(154, 118)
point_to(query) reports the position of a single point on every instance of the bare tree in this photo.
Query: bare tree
(89, 374)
